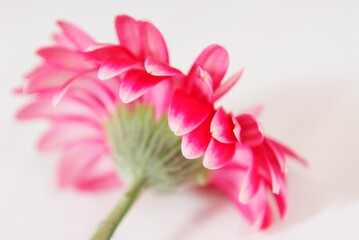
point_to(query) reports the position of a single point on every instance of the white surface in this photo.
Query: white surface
(302, 63)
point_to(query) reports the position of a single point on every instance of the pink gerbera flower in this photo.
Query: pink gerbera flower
(113, 109)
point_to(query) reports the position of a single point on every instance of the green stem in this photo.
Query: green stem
(109, 225)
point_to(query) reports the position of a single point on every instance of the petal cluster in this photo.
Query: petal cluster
(81, 82)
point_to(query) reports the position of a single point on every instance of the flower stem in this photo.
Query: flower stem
(109, 225)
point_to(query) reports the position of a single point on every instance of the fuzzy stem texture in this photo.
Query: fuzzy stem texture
(109, 225)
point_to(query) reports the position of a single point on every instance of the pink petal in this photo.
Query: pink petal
(75, 158)
(63, 89)
(218, 154)
(249, 186)
(157, 68)
(274, 171)
(265, 220)
(86, 86)
(226, 86)
(255, 110)
(214, 59)
(152, 42)
(202, 86)
(114, 67)
(288, 151)
(67, 133)
(85, 166)
(102, 53)
(222, 127)
(282, 199)
(42, 108)
(61, 40)
(186, 113)
(47, 77)
(66, 58)
(195, 143)
(274, 155)
(97, 182)
(251, 133)
(128, 33)
(76, 35)
(136, 83)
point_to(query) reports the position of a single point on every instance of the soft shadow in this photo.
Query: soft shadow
(319, 120)
(208, 210)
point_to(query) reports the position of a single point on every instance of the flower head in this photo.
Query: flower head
(120, 113)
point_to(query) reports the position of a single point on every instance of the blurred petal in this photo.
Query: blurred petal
(288, 151)
(76, 35)
(67, 133)
(227, 85)
(153, 43)
(65, 58)
(128, 33)
(249, 186)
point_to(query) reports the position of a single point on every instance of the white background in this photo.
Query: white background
(302, 63)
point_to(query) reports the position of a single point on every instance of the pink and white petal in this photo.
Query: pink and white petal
(66, 58)
(153, 43)
(114, 67)
(261, 209)
(157, 68)
(136, 83)
(265, 220)
(128, 33)
(195, 143)
(218, 154)
(214, 59)
(249, 186)
(276, 158)
(282, 199)
(200, 84)
(222, 127)
(237, 128)
(227, 85)
(276, 176)
(76, 35)
(186, 113)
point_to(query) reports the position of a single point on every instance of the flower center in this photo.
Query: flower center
(144, 147)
